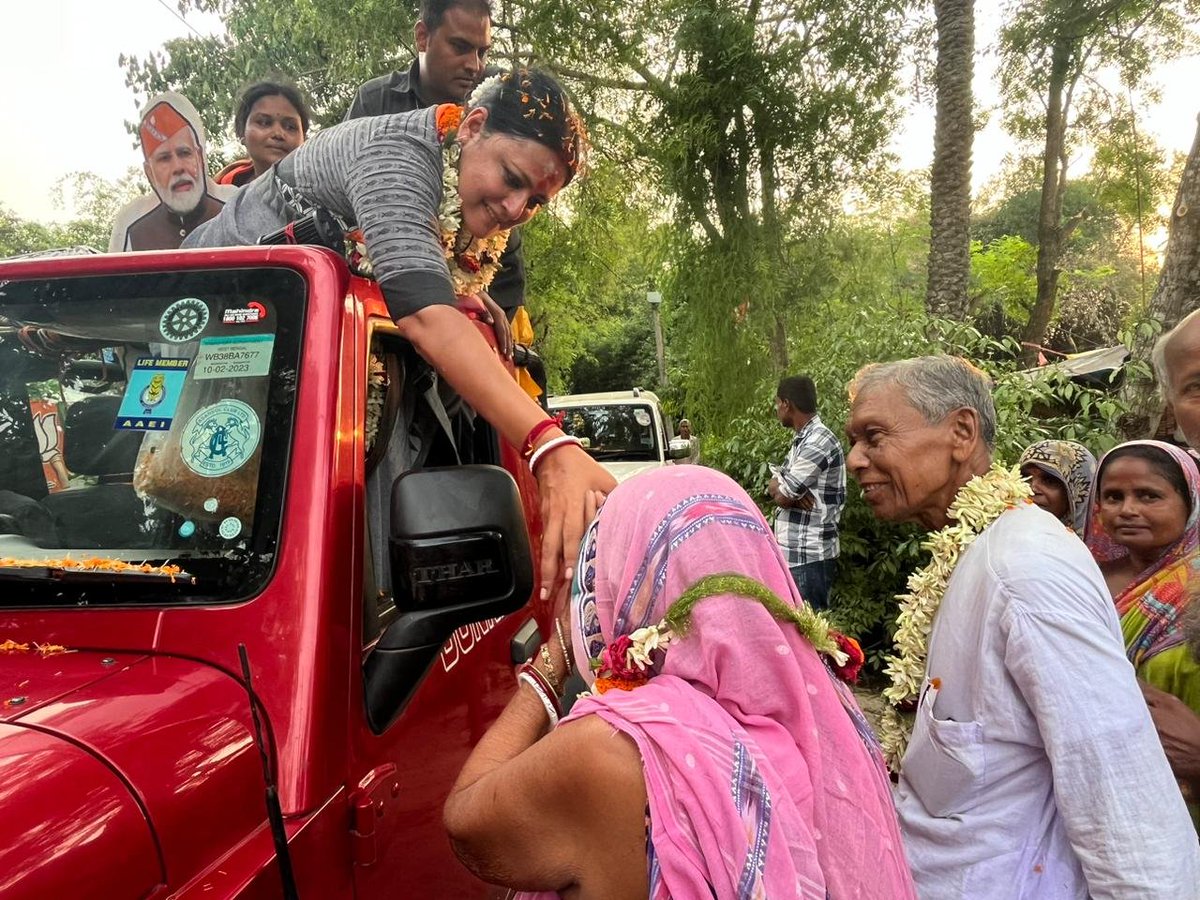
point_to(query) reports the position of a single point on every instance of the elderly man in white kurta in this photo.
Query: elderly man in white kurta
(1033, 770)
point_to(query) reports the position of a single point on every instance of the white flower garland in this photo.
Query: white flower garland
(979, 503)
(473, 265)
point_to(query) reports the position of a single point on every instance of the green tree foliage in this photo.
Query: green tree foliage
(1104, 274)
(877, 557)
(93, 202)
(19, 235)
(1049, 50)
(1003, 275)
(619, 355)
(328, 48)
(589, 261)
(751, 124)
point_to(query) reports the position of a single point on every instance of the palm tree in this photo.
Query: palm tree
(950, 177)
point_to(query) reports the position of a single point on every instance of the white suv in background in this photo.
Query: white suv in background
(624, 431)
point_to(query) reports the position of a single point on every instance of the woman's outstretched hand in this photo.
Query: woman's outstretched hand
(498, 319)
(571, 485)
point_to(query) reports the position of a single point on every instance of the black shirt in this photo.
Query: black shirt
(401, 92)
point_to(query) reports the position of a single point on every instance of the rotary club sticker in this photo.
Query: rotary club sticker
(183, 320)
(220, 439)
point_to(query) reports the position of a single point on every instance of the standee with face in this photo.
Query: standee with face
(172, 138)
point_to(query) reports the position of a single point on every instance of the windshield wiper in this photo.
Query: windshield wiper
(69, 575)
(623, 452)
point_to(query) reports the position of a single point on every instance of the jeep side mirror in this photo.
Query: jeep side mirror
(679, 448)
(459, 553)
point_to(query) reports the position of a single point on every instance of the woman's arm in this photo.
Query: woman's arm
(562, 811)
(1179, 730)
(448, 340)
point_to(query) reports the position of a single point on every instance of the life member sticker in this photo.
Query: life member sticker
(151, 394)
(249, 314)
(641, 417)
(220, 439)
(248, 356)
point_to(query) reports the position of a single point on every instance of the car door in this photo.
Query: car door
(402, 775)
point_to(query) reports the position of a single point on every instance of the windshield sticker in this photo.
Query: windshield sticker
(187, 529)
(220, 439)
(230, 528)
(210, 505)
(248, 356)
(251, 313)
(183, 320)
(151, 394)
(641, 417)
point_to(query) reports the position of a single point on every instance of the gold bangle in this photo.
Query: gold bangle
(551, 675)
(562, 643)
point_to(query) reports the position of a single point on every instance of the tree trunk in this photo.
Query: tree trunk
(950, 177)
(778, 344)
(1177, 294)
(1054, 184)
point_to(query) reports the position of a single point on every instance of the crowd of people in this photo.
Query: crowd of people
(1054, 744)
(1051, 666)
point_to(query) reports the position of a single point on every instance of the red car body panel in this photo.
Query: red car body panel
(85, 831)
(161, 736)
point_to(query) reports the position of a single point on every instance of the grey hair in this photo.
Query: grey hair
(936, 386)
(1158, 356)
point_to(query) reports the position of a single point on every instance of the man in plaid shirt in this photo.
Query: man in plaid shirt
(810, 491)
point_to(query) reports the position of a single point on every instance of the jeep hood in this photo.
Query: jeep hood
(120, 773)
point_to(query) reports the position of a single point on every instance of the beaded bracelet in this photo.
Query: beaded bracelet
(553, 444)
(547, 703)
(536, 432)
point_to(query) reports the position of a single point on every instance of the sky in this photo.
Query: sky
(63, 100)
(58, 65)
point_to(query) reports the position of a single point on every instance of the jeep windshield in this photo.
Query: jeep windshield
(145, 422)
(614, 433)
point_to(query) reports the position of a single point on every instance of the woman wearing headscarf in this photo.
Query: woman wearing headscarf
(1144, 531)
(734, 764)
(1060, 473)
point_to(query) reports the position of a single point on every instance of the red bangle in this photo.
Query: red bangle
(534, 433)
(544, 682)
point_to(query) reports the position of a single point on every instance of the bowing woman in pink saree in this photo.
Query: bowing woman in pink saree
(735, 765)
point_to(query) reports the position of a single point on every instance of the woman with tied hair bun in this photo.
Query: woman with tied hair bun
(271, 120)
(434, 193)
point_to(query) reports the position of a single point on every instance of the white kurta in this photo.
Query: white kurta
(1034, 770)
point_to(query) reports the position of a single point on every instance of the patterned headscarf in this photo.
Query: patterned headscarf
(1073, 465)
(763, 779)
(1153, 605)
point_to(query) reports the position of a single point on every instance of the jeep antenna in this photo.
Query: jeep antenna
(274, 811)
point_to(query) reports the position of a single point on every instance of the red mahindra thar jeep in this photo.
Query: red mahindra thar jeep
(260, 591)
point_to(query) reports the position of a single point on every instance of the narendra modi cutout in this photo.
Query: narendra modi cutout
(172, 138)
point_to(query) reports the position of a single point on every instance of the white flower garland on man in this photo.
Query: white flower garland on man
(979, 503)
